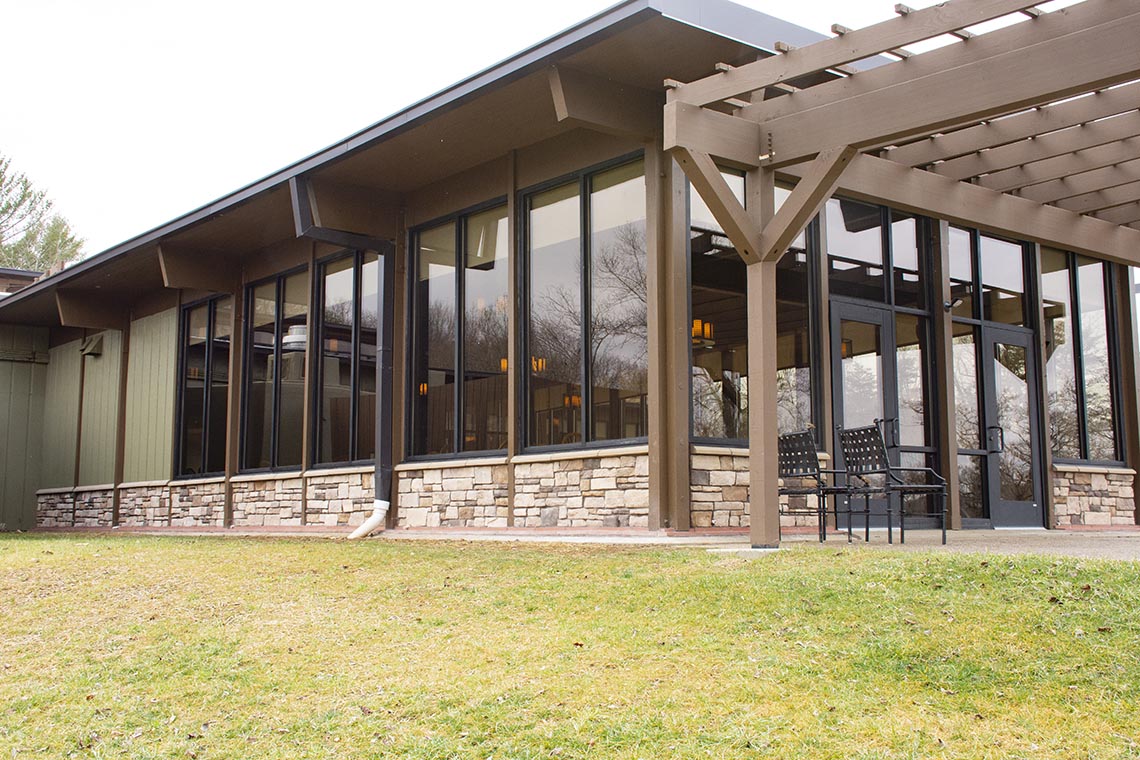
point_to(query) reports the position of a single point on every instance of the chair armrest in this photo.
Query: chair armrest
(926, 470)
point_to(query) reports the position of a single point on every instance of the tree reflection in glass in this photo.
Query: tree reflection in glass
(486, 313)
(619, 348)
(554, 330)
(434, 323)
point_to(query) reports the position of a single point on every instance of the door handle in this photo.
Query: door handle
(891, 433)
(995, 443)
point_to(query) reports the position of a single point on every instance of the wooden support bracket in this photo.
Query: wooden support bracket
(603, 105)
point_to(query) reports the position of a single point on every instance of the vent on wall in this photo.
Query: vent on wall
(92, 346)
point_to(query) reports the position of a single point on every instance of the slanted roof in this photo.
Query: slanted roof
(636, 42)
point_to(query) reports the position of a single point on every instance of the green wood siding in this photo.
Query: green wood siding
(151, 367)
(100, 413)
(61, 415)
(21, 433)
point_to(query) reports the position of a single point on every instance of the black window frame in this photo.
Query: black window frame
(211, 304)
(459, 220)
(1112, 338)
(525, 196)
(247, 359)
(317, 346)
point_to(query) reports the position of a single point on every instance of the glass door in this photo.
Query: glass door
(1010, 433)
(863, 376)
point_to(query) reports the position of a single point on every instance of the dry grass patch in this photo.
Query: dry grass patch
(218, 648)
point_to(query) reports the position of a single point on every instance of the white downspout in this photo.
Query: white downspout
(379, 512)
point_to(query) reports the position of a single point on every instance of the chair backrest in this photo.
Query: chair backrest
(864, 452)
(797, 455)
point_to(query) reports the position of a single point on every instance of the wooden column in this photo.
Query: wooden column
(1043, 441)
(667, 313)
(513, 401)
(945, 405)
(1128, 349)
(763, 435)
(673, 488)
(233, 398)
(121, 422)
(399, 346)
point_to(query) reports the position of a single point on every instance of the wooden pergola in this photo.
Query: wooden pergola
(1031, 130)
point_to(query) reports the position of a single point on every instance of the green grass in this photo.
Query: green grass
(228, 648)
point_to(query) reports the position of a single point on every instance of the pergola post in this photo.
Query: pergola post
(763, 435)
(944, 374)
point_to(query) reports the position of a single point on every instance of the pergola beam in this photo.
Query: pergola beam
(1086, 182)
(878, 180)
(1127, 214)
(810, 193)
(730, 139)
(586, 100)
(1102, 199)
(1062, 166)
(1039, 148)
(851, 46)
(1020, 126)
(1022, 73)
(728, 211)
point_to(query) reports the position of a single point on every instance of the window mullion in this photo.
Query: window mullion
(278, 344)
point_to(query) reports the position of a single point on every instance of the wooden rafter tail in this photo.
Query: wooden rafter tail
(812, 191)
(914, 26)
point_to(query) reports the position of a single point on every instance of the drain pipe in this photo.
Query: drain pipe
(382, 481)
(307, 224)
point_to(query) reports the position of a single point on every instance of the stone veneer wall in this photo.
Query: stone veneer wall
(718, 493)
(1093, 496)
(339, 499)
(94, 508)
(141, 505)
(55, 509)
(276, 501)
(597, 492)
(473, 495)
(201, 504)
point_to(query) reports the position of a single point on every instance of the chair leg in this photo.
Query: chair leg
(867, 518)
(902, 520)
(890, 534)
(943, 499)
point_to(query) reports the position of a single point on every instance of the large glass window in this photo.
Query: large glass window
(346, 371)
(594, 224)
(203, 384)
(276, 349)
(462, 261)
(1080, 371)
(719, 307)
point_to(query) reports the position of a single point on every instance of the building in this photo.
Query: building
(12, 280)
(537, 298)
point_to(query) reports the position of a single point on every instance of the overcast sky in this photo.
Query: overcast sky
(132, 112)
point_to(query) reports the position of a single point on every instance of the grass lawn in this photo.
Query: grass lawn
(172, 647)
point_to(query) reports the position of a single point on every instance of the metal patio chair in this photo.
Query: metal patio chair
(799, 461)
(865, 460)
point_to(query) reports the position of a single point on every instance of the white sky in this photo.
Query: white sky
(133, 112)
